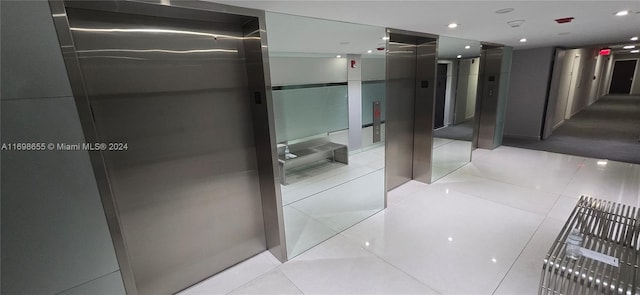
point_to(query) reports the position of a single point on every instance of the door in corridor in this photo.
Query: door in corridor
(622, 77)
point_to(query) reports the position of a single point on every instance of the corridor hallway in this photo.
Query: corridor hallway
(608, 129)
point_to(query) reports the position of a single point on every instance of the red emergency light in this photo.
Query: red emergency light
(605, 51)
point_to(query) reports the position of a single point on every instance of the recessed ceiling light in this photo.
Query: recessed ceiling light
(504, 10)
(338, 56)
(385, 38)
(634, 51)
(523, 40)
(629, 47)
(467, 47)
(369, 51)
(515, 23)
(459, 56)
(622, 13)
(452, 25)
(634, 39)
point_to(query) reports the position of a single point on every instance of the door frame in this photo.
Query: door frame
(613, 68)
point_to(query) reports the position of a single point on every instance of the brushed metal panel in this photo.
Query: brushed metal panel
(400, 92)
(490, 65)
(187, 189)
(411, 69)
(264, 134)
(426, 63)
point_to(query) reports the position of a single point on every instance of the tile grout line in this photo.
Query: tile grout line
(518, 257)
(390, 264)
(87, 282)
(276, 267)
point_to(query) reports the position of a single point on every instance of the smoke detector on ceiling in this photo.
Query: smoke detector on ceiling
(515, 23)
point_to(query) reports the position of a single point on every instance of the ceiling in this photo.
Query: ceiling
(595, 21)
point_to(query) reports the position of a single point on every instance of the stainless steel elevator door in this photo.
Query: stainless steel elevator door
(187, 187)
(401, 91)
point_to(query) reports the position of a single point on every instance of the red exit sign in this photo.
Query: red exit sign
(606, 51)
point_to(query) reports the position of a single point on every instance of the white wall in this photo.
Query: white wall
(530, 70)
(55, 238)
(307, 70)
(375, 68)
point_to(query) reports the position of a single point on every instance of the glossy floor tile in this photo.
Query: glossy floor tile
(235, 276)
(449, 155)
(483, 229)
(329, 197)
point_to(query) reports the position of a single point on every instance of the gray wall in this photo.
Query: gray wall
(530, 74)
(54, 232)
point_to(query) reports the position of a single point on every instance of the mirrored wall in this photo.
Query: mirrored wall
(328, 94)
(455, 103)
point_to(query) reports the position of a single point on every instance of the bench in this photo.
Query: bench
(609, 253)
(308, 152)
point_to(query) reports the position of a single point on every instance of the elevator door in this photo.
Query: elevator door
(441, 94)
(622, 78)
(186, 188)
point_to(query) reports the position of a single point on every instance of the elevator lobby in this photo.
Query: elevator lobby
(319, 147)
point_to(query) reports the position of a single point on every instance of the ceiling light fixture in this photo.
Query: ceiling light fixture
(459, 56)
(452, 25)
(622, 13)
(634, 51)
(629, 47)
(515, 23)
(634, 39)
(385, 38)
(504, 10)
(338, 56)
(523, 40)
(467, 47)
(369, 51)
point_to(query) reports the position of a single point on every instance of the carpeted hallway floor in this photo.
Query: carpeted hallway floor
(608, 129)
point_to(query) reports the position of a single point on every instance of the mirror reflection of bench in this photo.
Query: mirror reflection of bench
(308, 152)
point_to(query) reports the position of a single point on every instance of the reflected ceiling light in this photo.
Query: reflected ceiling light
(523, 40)
(602, 163)
(367, 244)
(504, 10)
(450, 239)
(369, 51)
(452, 25)
(160, 51)
(629, 47)
(467, 47)
(494, 260)
(447, 190)
(385, 38)
(215, 36)
(459, 56)
(338, 56)
(634, 51)
(634, 39)
(622, 12)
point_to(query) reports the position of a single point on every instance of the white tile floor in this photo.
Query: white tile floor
(481, 230)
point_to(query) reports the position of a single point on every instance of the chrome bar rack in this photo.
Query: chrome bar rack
(610, 249)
